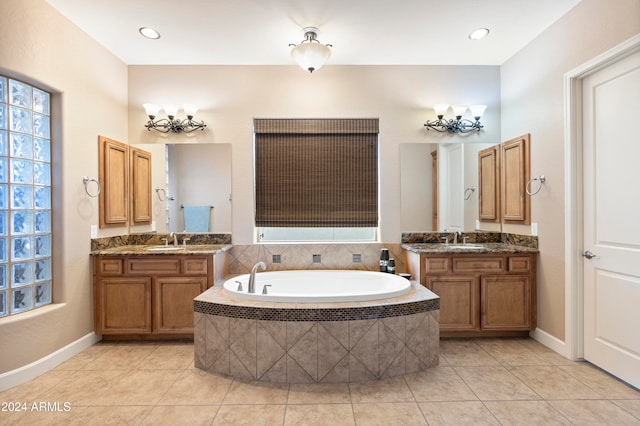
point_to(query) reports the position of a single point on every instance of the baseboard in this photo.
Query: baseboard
(551, 342)
(31, 371)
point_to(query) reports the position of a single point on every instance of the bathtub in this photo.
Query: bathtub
(316, 286)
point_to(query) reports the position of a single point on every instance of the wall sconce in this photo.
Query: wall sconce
(172, 124)
(458, 124)
(310, 54)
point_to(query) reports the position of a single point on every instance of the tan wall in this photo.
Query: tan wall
(533, 102)
(90, 97)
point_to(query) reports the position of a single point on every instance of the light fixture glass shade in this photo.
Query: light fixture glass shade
(311, 56)
(441, 109)
(477, 111)
(171, 110)
(458, 110)
(151, 109)
(190, 110)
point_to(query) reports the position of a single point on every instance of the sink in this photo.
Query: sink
(165, 248)
(466, 246)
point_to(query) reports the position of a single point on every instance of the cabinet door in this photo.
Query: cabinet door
(514, 160)
(173, 303)
(140, 186)
(489, 185)
(459, 301)
(506, 302)
(113, 165)
(123, 305)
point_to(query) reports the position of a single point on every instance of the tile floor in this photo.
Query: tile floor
(478, 382)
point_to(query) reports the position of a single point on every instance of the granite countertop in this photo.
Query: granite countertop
(436, 248)
(147, 250)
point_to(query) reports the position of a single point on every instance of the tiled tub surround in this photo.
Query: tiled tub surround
(316, 343)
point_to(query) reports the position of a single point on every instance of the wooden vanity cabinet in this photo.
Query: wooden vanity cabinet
(488, 294)
(148, 295)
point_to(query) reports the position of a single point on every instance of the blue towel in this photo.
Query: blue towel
(196, 218)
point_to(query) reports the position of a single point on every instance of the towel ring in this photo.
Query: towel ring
(469, 192)
(540, 180)
(87, 180)
(164, 194)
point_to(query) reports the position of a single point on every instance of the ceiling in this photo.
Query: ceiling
(362, 32)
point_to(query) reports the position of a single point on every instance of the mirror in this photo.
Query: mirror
(190, 175)
(439, 187)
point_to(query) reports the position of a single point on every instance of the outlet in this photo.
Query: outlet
(477, 224)
(534, 229)
(94, 231)
(153, 226)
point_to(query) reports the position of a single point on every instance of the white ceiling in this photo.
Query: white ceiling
(363, 32)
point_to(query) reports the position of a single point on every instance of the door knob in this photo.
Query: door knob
(588, 254)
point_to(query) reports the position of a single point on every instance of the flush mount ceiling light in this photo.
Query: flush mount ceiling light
(478, 34)
(172, 124)
(149, 33)
(457, 124)
(310, 54)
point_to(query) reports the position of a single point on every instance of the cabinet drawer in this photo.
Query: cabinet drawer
(108, 266)
(520, 264)
(153, 266)
(478, 264)
(195, 266)
(437, 265)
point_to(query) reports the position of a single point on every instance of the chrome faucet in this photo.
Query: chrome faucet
(458, 234)
(175, 238)
(252, 276)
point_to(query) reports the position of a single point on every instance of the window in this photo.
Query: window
(25, 197)
(316, 179)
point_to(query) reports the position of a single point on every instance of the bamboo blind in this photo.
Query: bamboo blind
(316, 172)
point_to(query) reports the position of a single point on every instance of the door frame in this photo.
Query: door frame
(574, 223)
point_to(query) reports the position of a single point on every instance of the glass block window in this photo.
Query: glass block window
(25, 197)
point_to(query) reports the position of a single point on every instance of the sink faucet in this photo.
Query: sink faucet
(175, 238)
(457, 235)
(252, 276)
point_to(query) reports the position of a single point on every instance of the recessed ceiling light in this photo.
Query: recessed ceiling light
(478, 34)
(149, 33)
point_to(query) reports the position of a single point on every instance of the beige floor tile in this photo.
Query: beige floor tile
(31, 390)
(472, 413)
(256, 393)
(394, 389)
(464, 353)
(37, 414)
(585, 412)
(319, 393)
(439, 384)
(121, 357)
(250, 415)
(169, 357)
(118, 415)
(83, 388)
(197, 387)
(176, 415)
(385, 414)
(550, 382)
(141, 387)
(495, 383)
(319, 414)
(526, 413)
(631, 406)
(606, 385)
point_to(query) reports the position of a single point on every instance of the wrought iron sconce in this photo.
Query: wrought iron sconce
(457, 124)
(172, 124)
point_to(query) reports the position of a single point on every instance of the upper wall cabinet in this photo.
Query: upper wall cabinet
(514, 157)
(113, 158)
(140, 186)
(125, 179)
(489, 184)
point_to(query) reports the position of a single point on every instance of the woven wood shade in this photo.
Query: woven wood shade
(316, 173)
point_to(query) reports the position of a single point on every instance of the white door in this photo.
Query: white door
(611, 168)
(451, 187)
